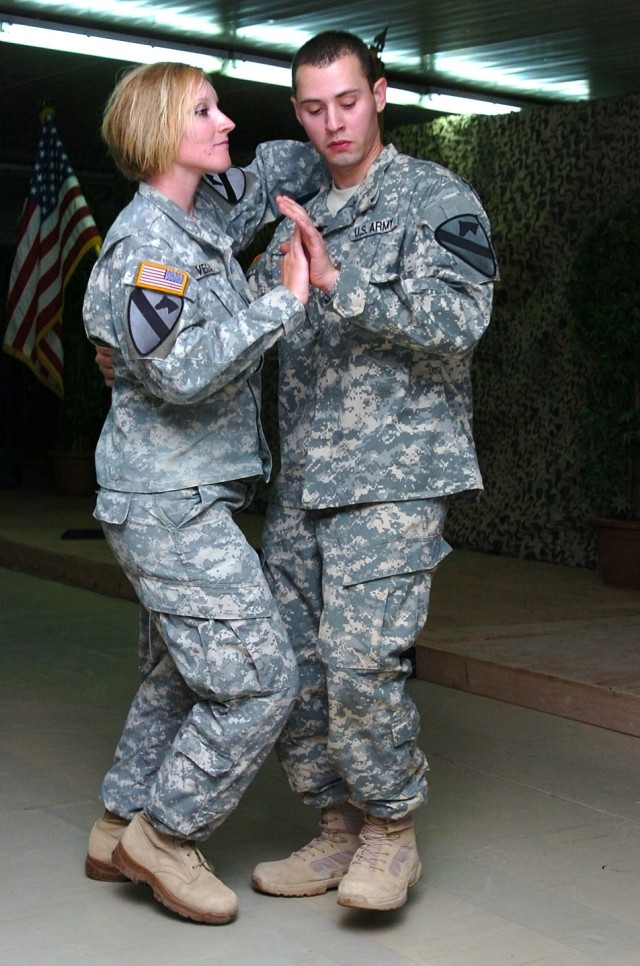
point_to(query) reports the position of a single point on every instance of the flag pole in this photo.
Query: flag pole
(46, 111)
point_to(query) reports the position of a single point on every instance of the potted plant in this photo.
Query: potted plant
(604, 296)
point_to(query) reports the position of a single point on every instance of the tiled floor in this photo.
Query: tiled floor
(530, 841)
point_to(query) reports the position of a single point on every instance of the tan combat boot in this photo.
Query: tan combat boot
(318, 866)
(176, 871)
(104, 836)
(384, 867)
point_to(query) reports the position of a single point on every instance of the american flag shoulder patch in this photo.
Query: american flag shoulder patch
(162, 278)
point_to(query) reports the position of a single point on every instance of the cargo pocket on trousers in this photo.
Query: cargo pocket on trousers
(112, 507)
(230, 660)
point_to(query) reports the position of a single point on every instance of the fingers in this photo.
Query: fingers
(291, 209)
(103, 362)
(322, 271)
(296, 252)
(295, 243)
(294, 269)
(288, 206)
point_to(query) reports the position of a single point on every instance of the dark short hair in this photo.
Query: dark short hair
(327, 47)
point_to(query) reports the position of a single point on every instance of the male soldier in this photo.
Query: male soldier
(375, 431)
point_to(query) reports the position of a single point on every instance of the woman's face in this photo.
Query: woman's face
(205, 142)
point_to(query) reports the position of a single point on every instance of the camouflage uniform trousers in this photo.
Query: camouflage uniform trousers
(218, 681)
(353, 589)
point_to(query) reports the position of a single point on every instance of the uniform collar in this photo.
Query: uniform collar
(364, 197)
(166, 205)
(201, 228)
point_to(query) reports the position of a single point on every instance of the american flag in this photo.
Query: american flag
(55, 231)
(162, 278)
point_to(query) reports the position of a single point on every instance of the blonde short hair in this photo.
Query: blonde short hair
(147, 115)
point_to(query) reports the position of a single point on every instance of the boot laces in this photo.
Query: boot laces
(375, 849)
(194, 854)
(315, 846)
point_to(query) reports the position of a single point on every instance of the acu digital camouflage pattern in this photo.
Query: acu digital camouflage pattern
(375, 392)
(375, 429)
(353, 590)
(218, 673)
(185, 404)
(216, 686)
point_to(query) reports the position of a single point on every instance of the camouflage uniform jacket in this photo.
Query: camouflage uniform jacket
(169, 296)
(375, 390)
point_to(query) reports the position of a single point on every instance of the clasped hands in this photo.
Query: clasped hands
(323, 274)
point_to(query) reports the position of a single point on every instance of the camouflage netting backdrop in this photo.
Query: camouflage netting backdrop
(544, 175)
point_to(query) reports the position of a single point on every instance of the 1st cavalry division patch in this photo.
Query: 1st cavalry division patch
(155, 305)
(465, 238)
(231, 184)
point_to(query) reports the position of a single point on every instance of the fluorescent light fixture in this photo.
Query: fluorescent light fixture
(103, 46)
(447, 103)
(137, 11)
(276, 34)
(258, 72)
(109, 47)
(453, 104)
(479, 70)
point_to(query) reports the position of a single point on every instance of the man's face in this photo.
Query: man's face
(339, 113)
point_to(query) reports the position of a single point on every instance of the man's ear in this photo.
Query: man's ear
(380, 94)
(296, 110)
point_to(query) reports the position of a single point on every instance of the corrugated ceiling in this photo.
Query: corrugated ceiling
(515, 49)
